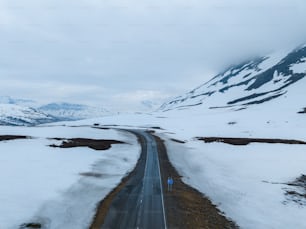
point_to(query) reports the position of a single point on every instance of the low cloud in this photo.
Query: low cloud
(121, 46)
(139, 99)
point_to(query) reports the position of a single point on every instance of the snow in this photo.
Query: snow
(232, 176)
(21, 102)
(247, 183)
(268, 62)
(68, 111)
(300, 67)
(43, 184)
(235, 84)
(273, 59)
(240, 180)
(23, 110)
(18, 115)
(236, 179)
(15, 110)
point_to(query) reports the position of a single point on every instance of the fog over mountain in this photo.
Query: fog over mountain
(250, 83)
(117, 54)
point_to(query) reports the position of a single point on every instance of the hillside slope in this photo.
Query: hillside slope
(252, 82)
(11, 114)
(68, 111)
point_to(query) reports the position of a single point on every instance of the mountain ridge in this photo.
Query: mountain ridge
(69, 111)
(251, 82)
(15, 115)
(28, 112)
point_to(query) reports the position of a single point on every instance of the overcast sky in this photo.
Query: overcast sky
(117, 53)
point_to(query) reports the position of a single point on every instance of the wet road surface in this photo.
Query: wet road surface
(140, 203)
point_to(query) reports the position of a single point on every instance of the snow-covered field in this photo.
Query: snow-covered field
(248, 183)
(45, 185)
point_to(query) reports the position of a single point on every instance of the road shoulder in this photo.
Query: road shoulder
(186, 207)
(104, 205)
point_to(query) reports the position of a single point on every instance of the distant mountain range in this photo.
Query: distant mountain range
(10, 100)
(28, 112)
(252, 82)
(256, 81)
(149, 105)
(11, 114)
(68, 111)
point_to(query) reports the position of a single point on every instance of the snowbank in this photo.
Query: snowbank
(44, 185)
(248, 183)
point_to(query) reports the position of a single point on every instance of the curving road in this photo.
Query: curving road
(140, 203)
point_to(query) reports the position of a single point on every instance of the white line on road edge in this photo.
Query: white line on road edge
(144, 177)
(161, 186)
(146, 135)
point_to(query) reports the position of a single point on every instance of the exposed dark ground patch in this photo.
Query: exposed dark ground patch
(85, 142)
(186, 207)
(297, 192)
(177, 141)
(101, 128)
(220, 107)
(92, 174)
(157, 128)
(12, 137)
(31, 225)
(302, 111)
(246, 141)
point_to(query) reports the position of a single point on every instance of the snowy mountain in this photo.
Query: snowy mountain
(149, 105)
(21, 102)
(252, 82)
(28, 112)
(68, 111)
(11, 114)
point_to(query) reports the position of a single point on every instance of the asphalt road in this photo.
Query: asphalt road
(140, 203)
